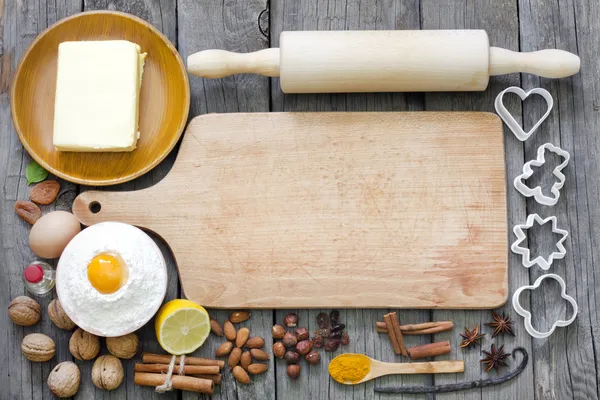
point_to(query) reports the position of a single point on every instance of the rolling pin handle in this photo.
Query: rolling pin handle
(221, 63)
(549, 63)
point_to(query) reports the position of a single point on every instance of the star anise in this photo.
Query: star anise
(495, 358)
(471, 337)
(502, 324)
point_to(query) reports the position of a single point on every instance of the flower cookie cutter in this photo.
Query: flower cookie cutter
(543, 263)
(510, 121)
(536, 192)
(527, 315)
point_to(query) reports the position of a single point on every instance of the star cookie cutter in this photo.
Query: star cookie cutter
(536, 192)
(542, 262)
(527, 315)
(510, 121)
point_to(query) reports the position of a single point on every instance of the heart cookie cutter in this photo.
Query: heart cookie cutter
(510, 121)
(527, 315)
(536, 192)
(525, 253)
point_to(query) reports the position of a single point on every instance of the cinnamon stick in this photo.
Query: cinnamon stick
(215, 378)
(393, 327)
(429, 350)
(150, 358)
(179, 382)
(187, 369)
(426, 328)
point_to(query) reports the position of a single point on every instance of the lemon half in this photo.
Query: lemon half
(181, 326)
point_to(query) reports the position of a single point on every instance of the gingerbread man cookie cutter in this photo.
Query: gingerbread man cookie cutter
(542, 262)
(510, 121)
(527, 315)
(536, 192)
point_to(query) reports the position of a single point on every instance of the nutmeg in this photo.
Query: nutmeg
(289, 340)
(290, 320)
(304, 347)
(278, 350)
(123, 346)
(224, 349)
(107, 372)
(38, 347)
(293, 371)
(83, 345)
(255, 342)
(24, 311)
(59, 316)
(64, 379)
(242, 337)
(278, 331)
(239, 316)
(259, 355)
(291, 357)
(313, 358)
(302, 334)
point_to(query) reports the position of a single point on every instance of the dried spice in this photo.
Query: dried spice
(502, 324)
(471, 337)
(332, 345)
(334, 317)
(345, 339)
(318, 342)
(323, 320)
(338, 327)
(495, 358)
(324, 333)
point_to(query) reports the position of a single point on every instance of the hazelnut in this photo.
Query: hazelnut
(83, 345)
(289, 340)
(64, 379)
(302, 334)
(38, 347)
(278, 350)
(290, 320)
(313, 358)
(304, 347)
(123, 346)
(278, 331)
(107, 372)
(291, 357)
(293, 371)
(24, 311)
(59, 316)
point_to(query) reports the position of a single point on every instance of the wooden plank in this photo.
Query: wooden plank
(565, 365)
(340, 15)
(19, 24)
(231, 25)
(499, 19)
(162, 14)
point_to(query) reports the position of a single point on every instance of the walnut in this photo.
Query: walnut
(123, 346)
(83, 345)
(24, 311)
(59, 317)
(38, 347)
(107, 372)
(64, 379)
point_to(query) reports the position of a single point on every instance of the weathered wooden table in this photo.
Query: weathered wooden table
(563, 366)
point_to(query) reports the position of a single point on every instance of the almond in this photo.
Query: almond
(256, 369)
(255, 342)
(28, 211)
(239, 316)
(229, 330)
(242, 336)
(259, 355)
(44, 192)
(240, 375)
(246, 360)
(234, 357)
(224, 349)
(215, 327)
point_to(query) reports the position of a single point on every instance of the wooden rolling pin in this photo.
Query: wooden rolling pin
(383, 61)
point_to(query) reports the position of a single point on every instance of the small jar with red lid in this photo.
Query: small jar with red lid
(39, 277)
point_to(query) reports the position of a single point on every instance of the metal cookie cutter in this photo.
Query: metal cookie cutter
(510, 121)
(542, 262)
(527, 315)
(536, 192)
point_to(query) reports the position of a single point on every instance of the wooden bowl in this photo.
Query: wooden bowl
(164, 99)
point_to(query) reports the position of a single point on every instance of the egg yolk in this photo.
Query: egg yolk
(107, 273)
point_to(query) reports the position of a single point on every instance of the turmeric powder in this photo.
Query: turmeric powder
(349, 368)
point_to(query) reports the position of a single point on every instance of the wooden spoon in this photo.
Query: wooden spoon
(379, 368)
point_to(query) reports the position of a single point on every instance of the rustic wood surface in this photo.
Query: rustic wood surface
(563, 366)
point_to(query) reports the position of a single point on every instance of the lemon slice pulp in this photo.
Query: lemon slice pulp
(181, 326)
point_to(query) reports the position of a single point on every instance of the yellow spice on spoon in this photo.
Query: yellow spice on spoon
(349, 367)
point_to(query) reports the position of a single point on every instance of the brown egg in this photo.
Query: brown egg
(50, 234)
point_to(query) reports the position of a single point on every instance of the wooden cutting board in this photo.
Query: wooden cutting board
(285, 210)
